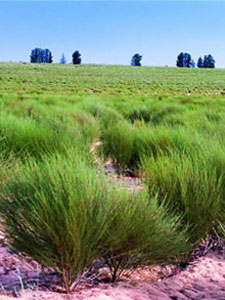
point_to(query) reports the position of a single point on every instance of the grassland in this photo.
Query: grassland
(103, 79)
(165, 124)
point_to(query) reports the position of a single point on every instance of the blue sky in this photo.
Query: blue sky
(110, 32)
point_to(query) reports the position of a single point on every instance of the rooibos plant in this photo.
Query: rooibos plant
(143, 233)
(188, 187)
(56, 212)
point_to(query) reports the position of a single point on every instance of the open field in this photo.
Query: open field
(103, 79)
(60, 124)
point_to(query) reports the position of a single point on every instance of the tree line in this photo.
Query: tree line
(39, 55)
(184, 60)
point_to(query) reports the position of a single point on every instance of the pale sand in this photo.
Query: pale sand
(203, 279)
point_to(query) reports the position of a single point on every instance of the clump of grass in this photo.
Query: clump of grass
(126, 143)
(118, 140)
(188, 187)
(64, 215)
(26, 137)
(105, 114)
(142, 233)
(155, 112)
(141, 114)
(56, 212)
(8, 167)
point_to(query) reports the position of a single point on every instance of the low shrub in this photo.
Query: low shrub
(106, 115)
(56, 212)
(141, 114)
(8, 167)
(118, 140)
(126, 143)
(26, 137)
(143, 233)
(64, 215)
(155, 112)
(188, 187)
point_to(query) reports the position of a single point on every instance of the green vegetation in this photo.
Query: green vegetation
(165, 124)
(39, 79)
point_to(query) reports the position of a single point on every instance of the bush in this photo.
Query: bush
(106, 115)
(142, 114)
(64, 215)
(26, 137)
(143, 233)
(188, 187)
(8, 167)
(118, 142)
(126, 143)
(56, 212)
(155, 112)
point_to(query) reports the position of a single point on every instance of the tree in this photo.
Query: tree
(35, 56)
(180, 59)
(184, 60)
(76, 58)
(50, 59)
(200, 63)
(187, 60)
(63, 59)
(192, 64)
(136, 60)
(209, 61)
(39, 55)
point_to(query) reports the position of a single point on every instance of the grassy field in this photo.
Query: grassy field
(103, 79)
(165, 124)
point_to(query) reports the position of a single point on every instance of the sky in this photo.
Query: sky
(110, 32)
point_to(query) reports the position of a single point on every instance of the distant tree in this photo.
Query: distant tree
(76, 58)
(50, 58)
(192, 64)
(184, 60)
(200, 63)
(39, 55)
(63, 59)
(47, 56)
(35, 56)
(136, 60)
(180, 59)
(187, 60)
(209, 61)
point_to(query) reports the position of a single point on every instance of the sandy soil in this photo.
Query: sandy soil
(202, 279)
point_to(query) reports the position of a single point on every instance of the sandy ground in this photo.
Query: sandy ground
(202, 279)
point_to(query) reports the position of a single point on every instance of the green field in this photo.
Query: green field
(103, 79)
(166, 125)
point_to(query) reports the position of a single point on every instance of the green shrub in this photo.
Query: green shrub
(159, 112)
(188, 187)
(142, 232)
(126, 143)
(56, 212)
(26, 137)
(71, 122)
(104, 114)
(118, 142)
(141, 114)
(8, 167)
(64, 215)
